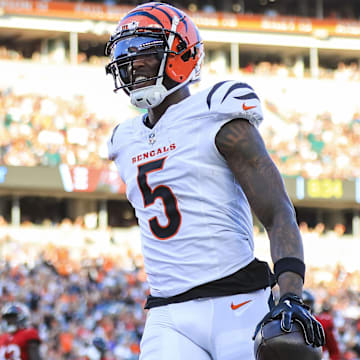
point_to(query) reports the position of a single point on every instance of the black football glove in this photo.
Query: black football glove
(291, 308)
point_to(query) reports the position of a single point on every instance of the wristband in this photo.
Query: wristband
(293, 297)
(291, 264)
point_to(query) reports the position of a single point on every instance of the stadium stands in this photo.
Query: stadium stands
(48, 126)
(76, 295)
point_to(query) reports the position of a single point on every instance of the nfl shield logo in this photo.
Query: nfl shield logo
(152, 138)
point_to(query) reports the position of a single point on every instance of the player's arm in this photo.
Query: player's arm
(33, 350)
(243, 148)
(244, 151)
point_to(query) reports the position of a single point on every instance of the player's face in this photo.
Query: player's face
(138, 61)
(143, 68)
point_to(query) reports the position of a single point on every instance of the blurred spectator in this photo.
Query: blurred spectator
(18, 337)
(339, 229)
(319, 229)
(325, 317)
(303, 227)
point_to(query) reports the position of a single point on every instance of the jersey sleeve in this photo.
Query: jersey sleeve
(235, 100)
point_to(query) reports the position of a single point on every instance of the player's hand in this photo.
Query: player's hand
(291, 308)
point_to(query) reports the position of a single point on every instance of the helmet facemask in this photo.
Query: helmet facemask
(127, 53)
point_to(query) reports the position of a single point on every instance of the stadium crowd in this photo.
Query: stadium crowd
(97, 299)
(40, 130)
(344, 70)
(103, 297)
(319, 150)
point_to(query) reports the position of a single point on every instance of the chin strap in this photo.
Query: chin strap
(148, 97)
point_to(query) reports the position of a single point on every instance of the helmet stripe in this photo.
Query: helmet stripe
(166, 13)
(143, 13)
(182, 18)
(179, 14)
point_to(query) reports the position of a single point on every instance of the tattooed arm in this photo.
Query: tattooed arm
(243, 148)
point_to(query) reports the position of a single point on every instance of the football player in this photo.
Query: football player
(194, 166)
(18, 341)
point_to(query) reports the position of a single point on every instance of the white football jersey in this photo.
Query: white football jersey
(196, 224)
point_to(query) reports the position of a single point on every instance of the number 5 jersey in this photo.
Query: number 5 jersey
(195, 221)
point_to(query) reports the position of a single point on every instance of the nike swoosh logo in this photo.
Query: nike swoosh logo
(248, 107)
(234, 307)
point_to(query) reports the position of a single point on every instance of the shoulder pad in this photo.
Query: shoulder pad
(235, 100)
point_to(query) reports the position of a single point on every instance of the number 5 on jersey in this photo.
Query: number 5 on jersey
(164, 192)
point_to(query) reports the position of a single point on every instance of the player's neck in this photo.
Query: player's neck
(156, 113)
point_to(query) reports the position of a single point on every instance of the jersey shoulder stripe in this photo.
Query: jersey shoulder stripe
(234, 100)
(113, 133)
(247, 92)
(247, 97)
(212, 92)
(250, 95)
(110, 144)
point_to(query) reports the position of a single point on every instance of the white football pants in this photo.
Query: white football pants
(205, 329)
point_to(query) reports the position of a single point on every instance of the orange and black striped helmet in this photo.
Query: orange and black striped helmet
(161, 29)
